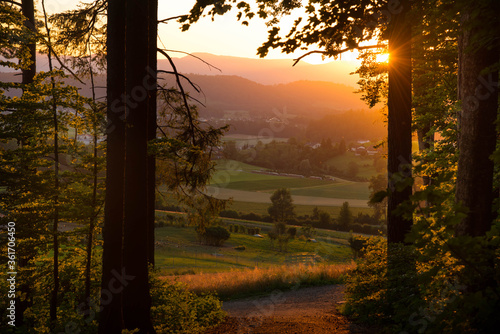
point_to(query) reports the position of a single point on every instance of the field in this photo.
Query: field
(244, 184)
(178, 251)
(300, 210)
(365, 164)
(241, 140)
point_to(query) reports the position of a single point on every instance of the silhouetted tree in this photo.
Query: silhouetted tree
(479, 51)
(282, 207)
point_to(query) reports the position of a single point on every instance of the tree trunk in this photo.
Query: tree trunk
(478, 92)
(111, 317)
(136, 298)
(153, 30)
(399, 125)
(28, 10)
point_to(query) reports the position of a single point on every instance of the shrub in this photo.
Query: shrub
(308, 231)
(176, 310)
(292, 231)
(358, 245)
(215, 235)
(251, 216)
(229, 214)
(378, 295)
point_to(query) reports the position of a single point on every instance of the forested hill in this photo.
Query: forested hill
(266, 71)
(311, 98)
(232, 93)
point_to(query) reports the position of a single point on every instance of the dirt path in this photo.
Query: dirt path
(305, 311)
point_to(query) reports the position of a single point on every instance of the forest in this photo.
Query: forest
(80, 174)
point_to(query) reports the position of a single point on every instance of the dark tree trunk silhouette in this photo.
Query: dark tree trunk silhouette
(136, 299)
(129, 212)
(28, 10)
(111, 317)
(399, 124)
(152, 49)
(478, 92)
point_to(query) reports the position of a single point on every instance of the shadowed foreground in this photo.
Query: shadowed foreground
(309, 310)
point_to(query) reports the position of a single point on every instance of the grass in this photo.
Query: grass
(347, 190)
(300, 210)
(241, 140)
(273, 183)
(178, 251)
(365, 164)
(250, 282)
(239, 176)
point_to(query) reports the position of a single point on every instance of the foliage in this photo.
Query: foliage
(215, 236)
(183, 153)
(176, 310)
(358, 246)
(308, 231)
(345, 215)
(376, 294)
(377, 185)
(326, 24)
(282, 207)
(74, 312)
(293, 156)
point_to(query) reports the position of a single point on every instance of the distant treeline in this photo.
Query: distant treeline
(351, 125)
(291, 156)
(362, 223)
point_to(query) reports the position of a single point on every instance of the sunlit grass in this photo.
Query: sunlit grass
(300, 210)
(249, 282)
(178, 251)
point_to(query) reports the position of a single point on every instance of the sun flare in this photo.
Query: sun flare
(383, 57)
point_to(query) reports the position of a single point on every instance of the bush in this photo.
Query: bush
(358, 245)
(176, 310)
(251, 216)
(292, 231)
(378, 295)
(215, 236)
(229, 214)
(307, 231)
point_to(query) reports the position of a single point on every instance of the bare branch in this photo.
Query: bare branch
(184, 96)
(192, 55)
(12, 2)
(196, 87)
(336, 53)
(173, 18)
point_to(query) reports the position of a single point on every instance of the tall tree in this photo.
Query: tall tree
(399, 123)
(28, 11)
(136, 298)
(111, 316)
(129, 214)
(479, 54)
(282, 207)
(152, 123)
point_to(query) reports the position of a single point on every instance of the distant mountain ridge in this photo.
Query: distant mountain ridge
(265, 71)
(307, 98)
(235, 89)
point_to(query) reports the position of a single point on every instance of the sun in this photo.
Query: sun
(383, 57)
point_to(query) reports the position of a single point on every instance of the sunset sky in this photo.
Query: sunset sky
(224, 36)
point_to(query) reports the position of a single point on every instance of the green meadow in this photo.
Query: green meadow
(178, 251)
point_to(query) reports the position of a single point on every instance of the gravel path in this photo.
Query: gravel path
(304, 311)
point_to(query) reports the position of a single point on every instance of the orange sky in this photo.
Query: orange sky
(224, 36)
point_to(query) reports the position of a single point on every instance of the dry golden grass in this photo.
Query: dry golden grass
(239, 283)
